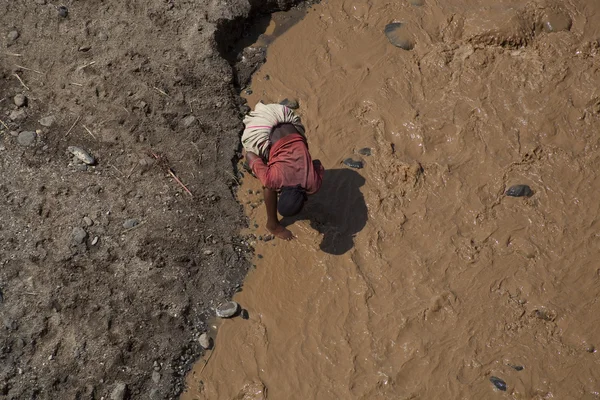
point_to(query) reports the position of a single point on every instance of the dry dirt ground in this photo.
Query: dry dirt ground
(91, 304)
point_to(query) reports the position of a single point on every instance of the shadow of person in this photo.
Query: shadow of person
(338, 210)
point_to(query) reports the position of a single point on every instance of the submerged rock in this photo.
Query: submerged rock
(399, 36)
(353, 163)
(498, 383)
(292, 104)
(519, 191)
(365, 151)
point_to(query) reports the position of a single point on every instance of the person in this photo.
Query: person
(277, 154)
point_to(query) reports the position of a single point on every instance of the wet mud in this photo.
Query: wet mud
(417, 276)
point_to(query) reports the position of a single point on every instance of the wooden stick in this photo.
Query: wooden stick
(88, 131)
(131, 172)
(73, 126)
(75, 84)
(6, 126)
(13, 54)
(160, 91)
(86, 65)
(178, 181)
(20, 80)
(29, 69)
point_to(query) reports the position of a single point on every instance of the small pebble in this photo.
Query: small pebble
(227, 310)
(590, 349)
(47, 121)
(498, 383)
(244, 314)
(188, 121)
(102, 36)
(155, 376)
(82, 155)
(267, 77)
(119, 391)
(519, 191)
(20, 100)
(26, 138)
(268, 238)
(130, 223)
(517, 367)
(12, 36)
(156, 365)
(95, 241)
(88, 221)
(17, 115)
(365, 151)
(248, 91)
(260, 256)
(398, 35)
(63, 11)
(292, 104)
(205, 341)
(208, 252)
(78, 236)
(84, 48)
(353, 164)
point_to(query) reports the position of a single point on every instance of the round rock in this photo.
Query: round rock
(227, 310)
(12, 36)
(205, 341)
(399, 36)
(20, 100)
(63, 11)
(78, 235)
(26, 138)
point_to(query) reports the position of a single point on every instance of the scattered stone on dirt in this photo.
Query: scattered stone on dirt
(119, 392)
(156, 365)
(498, 383)
(399, 36)
(2, 147)
(84, 48)
(20, 100)
(88, 221)
(205, 341)
(188, 121)
(556, 22)
(130, 223)
(63, 11)
(227, 310)
(47, 121)
(208, 252)
(155, 376)
(365, 151)
(519, 191)
(95, 241)
(517, 367)
(12, 36)
(292, 104)
(102, 36)
(353, 163)
(17, 115)
(78, 236)
(590, 348)
(26, 138)
(244, 314)
(248, 91)
(81, 155)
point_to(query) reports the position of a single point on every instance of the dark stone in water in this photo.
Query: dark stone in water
(365, 151)
(292, 104)
(244, 314)
(499, 383)
(398, 35)
(519, 191)
(353, 164)
(517, 367)
(63, 11)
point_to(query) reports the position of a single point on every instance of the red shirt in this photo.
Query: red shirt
(289, 164)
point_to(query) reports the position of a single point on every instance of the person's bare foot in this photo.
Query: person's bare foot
(280, 232)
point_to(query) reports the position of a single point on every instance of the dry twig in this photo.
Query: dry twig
(86, 65)
(6, 126)
(29, 69)
(73, 126)
(21, 80)
(90, 132)
(133, 227)
(160, 91)
(162, 160)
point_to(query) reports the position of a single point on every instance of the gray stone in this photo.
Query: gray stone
(88, 221)
(155, 376)
(26, 138)
(78, 236)
(12, 36)
(188, 121)
(119, 391)
(227, 310)
(95, 241)
(14, 133)
(205, 341)
(48, 121)
(20, 100)
(17, 115)
(103, 36)
(130, 223)
(292, 104)
(81, 155)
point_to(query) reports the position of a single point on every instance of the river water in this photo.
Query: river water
(415, 277)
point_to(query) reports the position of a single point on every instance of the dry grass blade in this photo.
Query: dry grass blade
(160, 91)
(29, 69)
(21, 80)
(86, 65)
(90, 132)
(73, 126)
(6, 126)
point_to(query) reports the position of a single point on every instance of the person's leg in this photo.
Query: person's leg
(273, 224)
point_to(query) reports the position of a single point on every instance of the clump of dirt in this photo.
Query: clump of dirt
(108, 272)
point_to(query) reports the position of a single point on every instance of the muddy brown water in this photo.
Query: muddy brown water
(415, 277)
